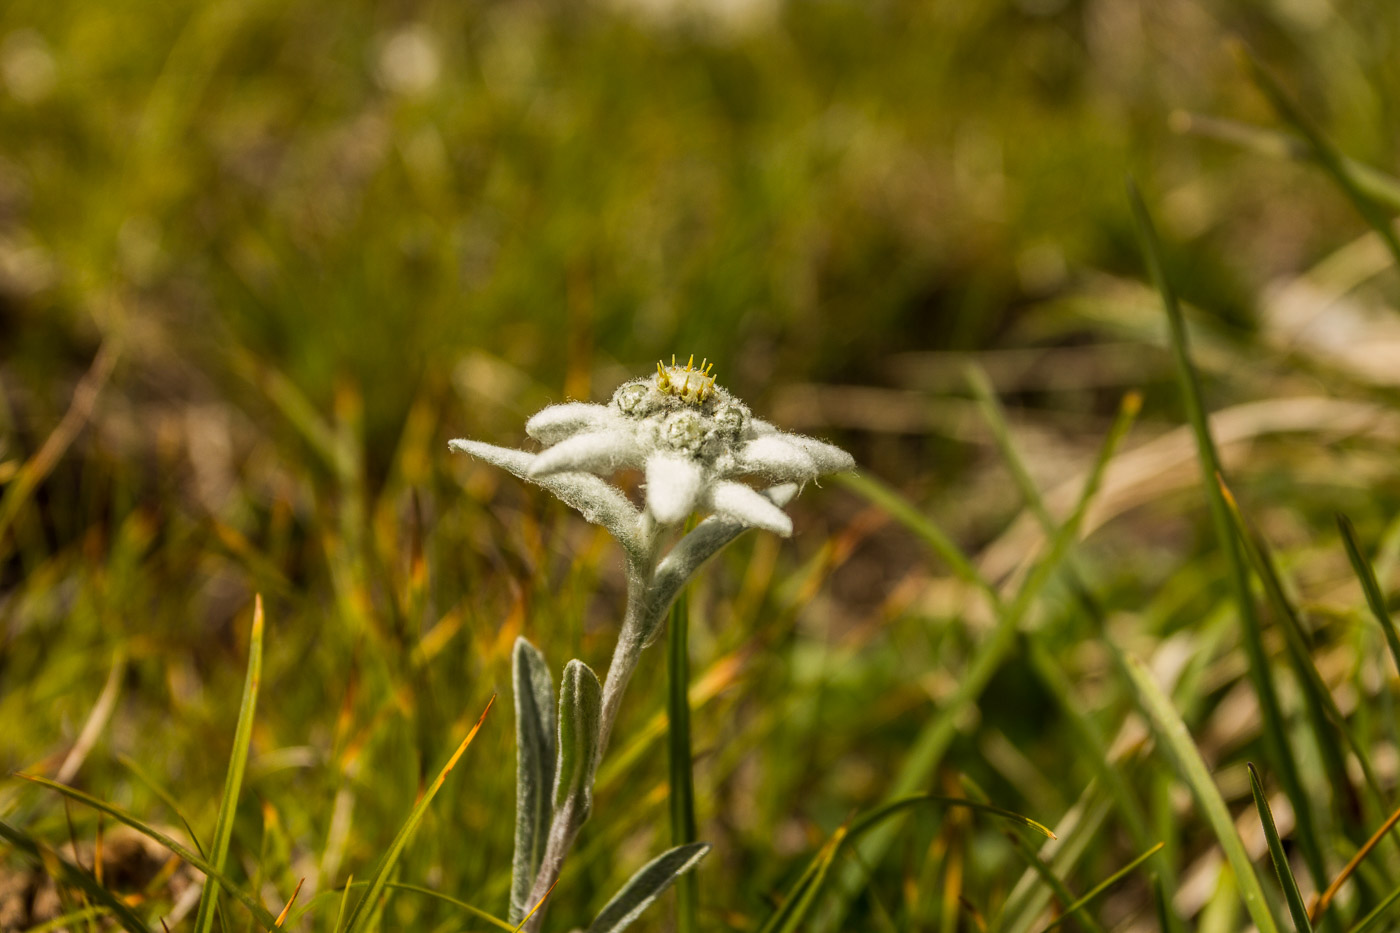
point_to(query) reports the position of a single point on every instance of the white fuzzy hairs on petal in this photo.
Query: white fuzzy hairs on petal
(674, 484)
(774, 458)
(600, 452)
(559, 422)
(600, 502)
(744, 504)
(828, 457)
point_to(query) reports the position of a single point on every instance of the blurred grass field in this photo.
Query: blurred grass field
(258, 262)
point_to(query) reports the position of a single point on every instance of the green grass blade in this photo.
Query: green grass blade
(265, 919)
(934, 738)
(646, 886)
(1166, 919)
(1324, 717)
(476, 912)
(342, 894)
(1048, 668)
(1371, 920)
(165, 797)
(682, 777)
(865, 823)
(233, 782)
(341, 914)
(1326, 154)
(380, 879)
(66, 921)
(1094, 748)
(1379, 186)
(534, 770)
(1104, 885)
(68, 873)
(1174, 737)
(1054, 883)
(803, 893)
(1291, 894)
(904, 512)
(1370, 586)
(1080, 829)
(1260, 675)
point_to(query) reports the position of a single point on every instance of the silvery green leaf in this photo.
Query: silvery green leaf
(534, 770)
(600, 503)
(580, 716)
(646, 886)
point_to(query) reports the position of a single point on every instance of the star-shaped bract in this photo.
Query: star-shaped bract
(690, 438)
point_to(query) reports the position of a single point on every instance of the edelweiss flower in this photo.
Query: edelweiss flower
(690, 438)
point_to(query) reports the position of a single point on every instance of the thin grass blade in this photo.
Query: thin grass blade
(1103, 886)
(165, 797)
(1261, 677)
(233, 781)
(1174, 737)
(904, 512)
(1053, 881)
(1382, 910)
(933, 739)
(1291, 894)
(261, 914)
(803, 893)
(1369, 585)
(1379, 186)
(646, 886)
(80, 878)
(380, 879)
(1324, 717)
(1326, 154)
(1351, 866)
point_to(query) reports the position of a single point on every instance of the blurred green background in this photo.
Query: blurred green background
(296, 246)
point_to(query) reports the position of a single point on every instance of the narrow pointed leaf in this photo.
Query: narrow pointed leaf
(646, 886)
(580, 718)
(1172, 733)
(1372, 920)
(1370, 586)
(1327, 156)
(233, 781)
(1073, 909)
(1291, 894)
(1322, 712)
(1053, 881)
(365, 909)
(1251, 636)
(534, 770)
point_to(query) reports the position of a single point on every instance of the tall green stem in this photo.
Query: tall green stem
(682, 775)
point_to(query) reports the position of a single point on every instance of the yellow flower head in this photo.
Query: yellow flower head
(689, 383)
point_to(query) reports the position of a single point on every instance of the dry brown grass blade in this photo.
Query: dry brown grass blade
(80, 409)
(1326, 897)
(282, 917)
(526, 919)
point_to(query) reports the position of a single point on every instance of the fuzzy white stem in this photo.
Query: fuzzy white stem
(638, 619)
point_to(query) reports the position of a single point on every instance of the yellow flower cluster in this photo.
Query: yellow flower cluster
(689, 383)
